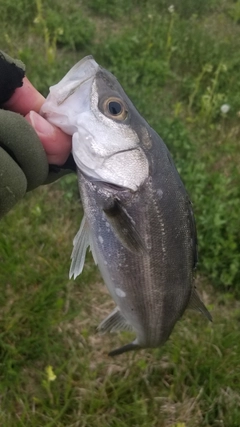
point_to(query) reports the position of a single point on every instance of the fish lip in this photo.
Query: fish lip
(85, 59)
(82, 72)
(61, 101)
(91, 72)
(80, 65)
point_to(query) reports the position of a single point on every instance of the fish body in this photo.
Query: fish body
(138, 219)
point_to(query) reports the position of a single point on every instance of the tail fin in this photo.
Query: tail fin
(127, 347)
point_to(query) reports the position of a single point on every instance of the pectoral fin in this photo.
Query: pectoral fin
(124, 227)
(195, 303)
(114, 322)
(80, 245)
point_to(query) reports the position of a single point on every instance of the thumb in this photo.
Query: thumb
(56, 143)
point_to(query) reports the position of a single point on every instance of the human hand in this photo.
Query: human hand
(27, 101)
(23, 158)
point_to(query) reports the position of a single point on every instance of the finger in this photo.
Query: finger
(24, 99)
(56, 143)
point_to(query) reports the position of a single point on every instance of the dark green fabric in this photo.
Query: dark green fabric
(23, 162)
(13, 182)
(56, 172)
(20, 140)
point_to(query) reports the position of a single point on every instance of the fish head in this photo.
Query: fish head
(90, 104)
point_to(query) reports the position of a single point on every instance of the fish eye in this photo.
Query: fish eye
(115, 108)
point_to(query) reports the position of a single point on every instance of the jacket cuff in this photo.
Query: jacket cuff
(12, 73)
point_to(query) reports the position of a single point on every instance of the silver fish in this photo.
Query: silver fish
(138, 219)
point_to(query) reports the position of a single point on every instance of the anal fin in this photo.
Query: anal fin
(195, 303)
(114, 322)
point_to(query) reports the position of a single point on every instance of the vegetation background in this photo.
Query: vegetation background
(179, 63)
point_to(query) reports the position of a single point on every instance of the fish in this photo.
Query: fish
(138, 219)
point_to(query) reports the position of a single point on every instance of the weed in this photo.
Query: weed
(113, 8)
(234, 11)
(50, 42)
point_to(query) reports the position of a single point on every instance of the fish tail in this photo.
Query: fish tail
(125, 348)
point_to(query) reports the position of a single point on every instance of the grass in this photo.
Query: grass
(178, 68)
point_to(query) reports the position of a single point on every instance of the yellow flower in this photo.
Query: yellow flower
(50, 374)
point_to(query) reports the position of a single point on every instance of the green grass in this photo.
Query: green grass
(178, 69)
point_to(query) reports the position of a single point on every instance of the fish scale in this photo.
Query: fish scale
(138, 219)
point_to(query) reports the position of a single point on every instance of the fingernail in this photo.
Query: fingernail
(40, 125)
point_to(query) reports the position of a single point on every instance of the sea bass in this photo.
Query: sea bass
(138, 219)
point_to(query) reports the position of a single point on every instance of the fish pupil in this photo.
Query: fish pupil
(115, 108)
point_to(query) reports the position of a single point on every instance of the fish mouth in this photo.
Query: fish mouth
(62, 103)
(84, 71)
